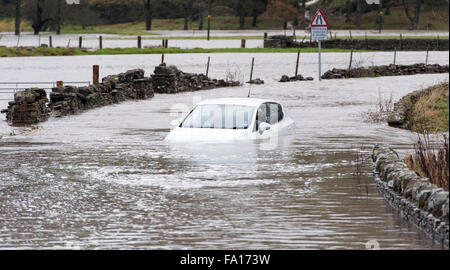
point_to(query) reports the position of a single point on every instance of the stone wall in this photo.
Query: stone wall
(130, 85)
(170, 80)
(417, 199)
(29, 107)
(362, 44)
(384, 70)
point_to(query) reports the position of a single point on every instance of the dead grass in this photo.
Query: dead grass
(431, 159)
(383, 108)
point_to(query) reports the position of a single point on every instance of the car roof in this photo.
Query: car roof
(254, 102)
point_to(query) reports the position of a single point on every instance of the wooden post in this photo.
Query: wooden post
(437, 43)
(426, 59)
(50, 42)
(163, 43)
(162, 59)
(401, 42)
(167, 44)
(59, 83)
(139, 42)
(243, 43)
(95, 74)
(298, 60)
(80, 42)
(350, 31)
(251, 72)
(367, 42)
(100, 42)
(207, 66)
(395, 56)
(265, 35)
(351, 60)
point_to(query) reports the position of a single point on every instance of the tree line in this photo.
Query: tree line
(48, 15)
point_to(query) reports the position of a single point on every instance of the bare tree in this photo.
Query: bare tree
(359, 11)
(414, 19)
(18, 16)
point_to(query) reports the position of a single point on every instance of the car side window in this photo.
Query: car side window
(270, 113)
(261, 116)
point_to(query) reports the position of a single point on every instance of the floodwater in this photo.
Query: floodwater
(105, 179)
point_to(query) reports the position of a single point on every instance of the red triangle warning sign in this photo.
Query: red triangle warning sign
(319, 20)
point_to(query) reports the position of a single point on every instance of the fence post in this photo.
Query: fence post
(95, 74)
(243, 43)
(50, 42)
(251, 72)
(395, 56)
(162, 59)
(139, 42)
(401, 42)
(437, 43)
(80, 42)
(207, 67)
(350, 63)
(100, 40)
(426, 59)
(265, 35)
(296, 66)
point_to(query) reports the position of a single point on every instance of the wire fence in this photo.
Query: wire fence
(13, 87)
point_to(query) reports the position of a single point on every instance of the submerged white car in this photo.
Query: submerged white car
(232, 119)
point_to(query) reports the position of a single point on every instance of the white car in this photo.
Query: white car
(232, 119)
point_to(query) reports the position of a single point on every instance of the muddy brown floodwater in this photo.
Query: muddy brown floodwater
(105, 179)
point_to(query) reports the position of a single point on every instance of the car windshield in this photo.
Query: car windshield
(219, 116)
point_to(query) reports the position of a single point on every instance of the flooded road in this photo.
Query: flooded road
(105, 179)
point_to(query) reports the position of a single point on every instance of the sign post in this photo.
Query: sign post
(319, 32)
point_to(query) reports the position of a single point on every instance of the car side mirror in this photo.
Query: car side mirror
(175, 123)
(263, 127)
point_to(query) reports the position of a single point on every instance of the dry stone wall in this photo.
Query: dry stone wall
(417, 199)
(409, 44)
(29, 107)
(384, 70)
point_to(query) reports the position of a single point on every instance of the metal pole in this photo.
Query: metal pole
(320, 62)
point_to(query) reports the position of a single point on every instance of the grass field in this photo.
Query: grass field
(21, 52)
(439, 20)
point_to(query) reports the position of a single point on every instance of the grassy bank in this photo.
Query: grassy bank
(20, 52)
(430, 113)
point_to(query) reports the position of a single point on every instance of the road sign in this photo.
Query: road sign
(319, 33)
(319, 20)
